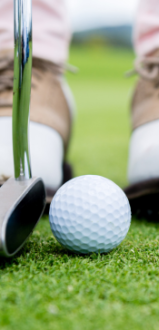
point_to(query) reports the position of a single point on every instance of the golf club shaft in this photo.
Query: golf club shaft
(22, 87)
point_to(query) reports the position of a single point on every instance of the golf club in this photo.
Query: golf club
(22, 199)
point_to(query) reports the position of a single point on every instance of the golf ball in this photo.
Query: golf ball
(90, 214)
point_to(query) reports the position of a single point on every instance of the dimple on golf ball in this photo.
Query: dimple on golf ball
(90, 214)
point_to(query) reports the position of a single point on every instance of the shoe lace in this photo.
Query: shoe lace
(6, 78)
(6, 74)
(147, 68)
(6, 82)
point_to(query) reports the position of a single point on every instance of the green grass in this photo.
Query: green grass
(47, 287)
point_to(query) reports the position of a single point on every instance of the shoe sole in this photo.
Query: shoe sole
(144, 199)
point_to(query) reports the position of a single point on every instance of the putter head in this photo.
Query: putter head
(21, 206)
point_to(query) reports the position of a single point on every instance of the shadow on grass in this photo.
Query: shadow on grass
(8, 262)
(47, 250)
(147, 219)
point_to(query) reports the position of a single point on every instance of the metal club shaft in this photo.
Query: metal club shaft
(22, 87)
(23, 198)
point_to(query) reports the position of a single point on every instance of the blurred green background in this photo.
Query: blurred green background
(102, 126)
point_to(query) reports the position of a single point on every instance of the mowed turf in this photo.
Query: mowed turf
(45, 286)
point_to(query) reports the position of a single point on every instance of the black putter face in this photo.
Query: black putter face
(20, 218)
(24, 217)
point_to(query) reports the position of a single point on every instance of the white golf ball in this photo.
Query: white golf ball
(90, 214)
